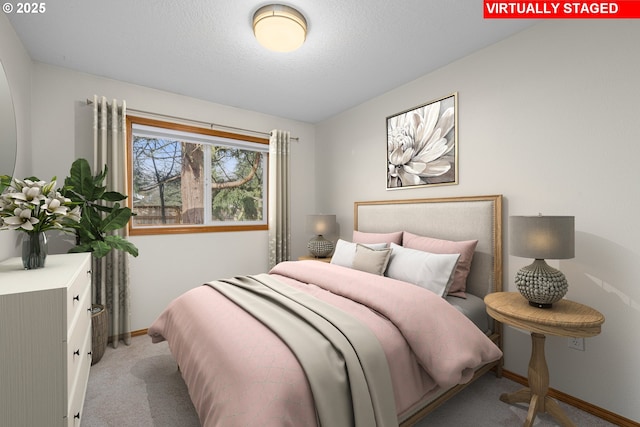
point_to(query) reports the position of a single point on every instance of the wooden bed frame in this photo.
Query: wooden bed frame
(457, 218)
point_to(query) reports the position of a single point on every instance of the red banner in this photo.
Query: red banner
(623, 9)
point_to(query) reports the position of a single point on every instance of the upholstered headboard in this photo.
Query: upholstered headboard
(458, 218)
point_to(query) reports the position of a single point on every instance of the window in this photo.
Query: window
(186, 179)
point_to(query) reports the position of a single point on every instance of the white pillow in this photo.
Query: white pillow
(345, 252)
(430, 271)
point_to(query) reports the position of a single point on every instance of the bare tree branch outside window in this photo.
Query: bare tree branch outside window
(179, 182)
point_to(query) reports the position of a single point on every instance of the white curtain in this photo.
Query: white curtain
(111, 273)
(279, 209)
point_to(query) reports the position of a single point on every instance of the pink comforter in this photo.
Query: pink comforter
(240, 374)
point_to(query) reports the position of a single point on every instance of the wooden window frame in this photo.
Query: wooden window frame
(194, 228)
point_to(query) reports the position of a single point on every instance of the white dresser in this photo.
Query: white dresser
(45, 341)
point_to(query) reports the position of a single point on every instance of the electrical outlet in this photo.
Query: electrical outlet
(576, 343)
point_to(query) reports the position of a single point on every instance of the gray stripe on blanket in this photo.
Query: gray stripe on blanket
(345, 365)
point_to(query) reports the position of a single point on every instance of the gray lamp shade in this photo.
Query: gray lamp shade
(542, 237)
(321, 224)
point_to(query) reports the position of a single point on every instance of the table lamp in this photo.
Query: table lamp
(320, 225)
(542, 237)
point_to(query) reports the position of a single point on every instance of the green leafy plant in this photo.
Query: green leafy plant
(101, 213)
(5, 182)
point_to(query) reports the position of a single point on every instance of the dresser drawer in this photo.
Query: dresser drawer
(77, 348)
(78, 375)
(82, 310)
(81, 285)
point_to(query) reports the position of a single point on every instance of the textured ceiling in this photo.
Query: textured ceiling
(355, 50)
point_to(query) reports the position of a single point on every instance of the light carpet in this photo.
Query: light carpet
(139, 385)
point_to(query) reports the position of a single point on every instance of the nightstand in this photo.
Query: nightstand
(309, 257)
(566, 319)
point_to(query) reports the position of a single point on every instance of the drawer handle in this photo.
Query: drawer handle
(76, 298)
(77, 416)
(77, 352)
(89, 272)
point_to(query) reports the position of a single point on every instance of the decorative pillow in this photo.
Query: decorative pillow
(345, 252)
(465, 248)
(362, 237)
(430, 271)
(371, 260)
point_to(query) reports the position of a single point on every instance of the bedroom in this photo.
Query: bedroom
(547, 118)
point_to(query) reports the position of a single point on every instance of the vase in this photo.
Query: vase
(34, 250)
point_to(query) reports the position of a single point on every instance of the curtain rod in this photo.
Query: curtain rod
(210, 124)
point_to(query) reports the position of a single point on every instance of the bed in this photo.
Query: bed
(372, 356)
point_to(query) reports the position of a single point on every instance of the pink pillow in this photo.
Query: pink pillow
(364, 238)
(465, 249)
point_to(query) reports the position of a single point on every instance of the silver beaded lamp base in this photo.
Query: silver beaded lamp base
(541, 284)
(320, 247)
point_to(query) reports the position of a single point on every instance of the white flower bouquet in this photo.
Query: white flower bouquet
(35, 206)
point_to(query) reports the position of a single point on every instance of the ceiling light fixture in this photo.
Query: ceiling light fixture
(279, 28)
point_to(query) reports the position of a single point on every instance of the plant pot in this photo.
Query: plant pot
(99, 332)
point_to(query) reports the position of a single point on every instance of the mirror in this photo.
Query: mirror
(8, 136)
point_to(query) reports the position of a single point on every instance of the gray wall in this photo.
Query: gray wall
(167, 265)
(548, 118)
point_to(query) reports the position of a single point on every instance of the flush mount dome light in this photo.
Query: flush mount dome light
(279, 28)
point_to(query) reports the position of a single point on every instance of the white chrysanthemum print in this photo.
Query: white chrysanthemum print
(421, 146)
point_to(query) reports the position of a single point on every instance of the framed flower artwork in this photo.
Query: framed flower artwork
(422, 145)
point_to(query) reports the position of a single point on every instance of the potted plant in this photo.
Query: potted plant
(101, 214)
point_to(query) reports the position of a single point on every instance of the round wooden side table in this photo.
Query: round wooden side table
(566, 319)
